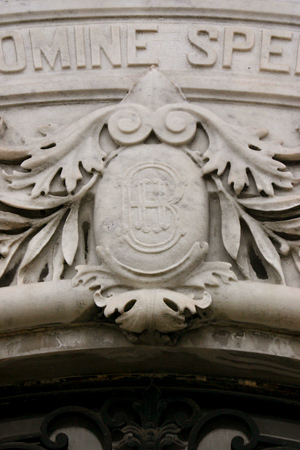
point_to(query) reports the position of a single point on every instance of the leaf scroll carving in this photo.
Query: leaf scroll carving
(243, 149)
(232, 215)
(152, 309)
(52, 181)
(72, 154)
(63, 153)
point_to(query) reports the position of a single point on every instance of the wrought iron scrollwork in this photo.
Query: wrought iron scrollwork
(153, 429)
(148, 422)
(91, 420)
(61, 442)
(256, 440)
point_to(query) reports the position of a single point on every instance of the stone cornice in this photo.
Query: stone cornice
(258, 10)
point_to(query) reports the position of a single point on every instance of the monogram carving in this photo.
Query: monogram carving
(131, 213)
(150, 192)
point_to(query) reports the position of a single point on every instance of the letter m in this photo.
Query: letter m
(50, 47)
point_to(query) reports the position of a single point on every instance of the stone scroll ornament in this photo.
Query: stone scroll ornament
(119, 200)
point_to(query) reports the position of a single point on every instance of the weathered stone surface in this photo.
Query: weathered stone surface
(163, 212)
(214, 351)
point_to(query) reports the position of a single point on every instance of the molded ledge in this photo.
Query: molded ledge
(57, 302)
(230, 346)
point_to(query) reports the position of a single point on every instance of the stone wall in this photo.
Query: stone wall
(149, 192)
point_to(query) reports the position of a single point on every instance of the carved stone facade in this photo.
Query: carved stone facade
(142, 201)
(138, 207)
(150, 208)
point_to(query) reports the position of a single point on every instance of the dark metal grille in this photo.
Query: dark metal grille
(150, 421)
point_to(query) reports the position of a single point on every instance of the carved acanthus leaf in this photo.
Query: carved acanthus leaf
(95, 277)
(271, 204)
(162, 310)
(232, 214)
(211, 274)
(11, 221)
(151, 309)
(59, 230)
(289, 233)
(231, 227)
(70, 234)
(265, 246)
(285, 231)
(288, 226)
(61, 154)
(244, 149)
(10, 243)
(38, 242)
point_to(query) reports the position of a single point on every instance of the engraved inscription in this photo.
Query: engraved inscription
(50, 47)
(80, 47)
(19, 59)
(117, 46)
(150, 217)
(271, 48)
(135, 45)
(231, 44)
(208, 55)
(111, 48)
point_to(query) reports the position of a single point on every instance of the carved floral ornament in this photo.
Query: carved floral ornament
(119, 201)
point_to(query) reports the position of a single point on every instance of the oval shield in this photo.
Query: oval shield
(150, 221)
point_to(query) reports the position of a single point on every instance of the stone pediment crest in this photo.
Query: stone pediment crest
(120, 202)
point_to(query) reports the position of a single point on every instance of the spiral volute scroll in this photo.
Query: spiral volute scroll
(174, 126)
(237, 442)
(62, 442)
(130, 125)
